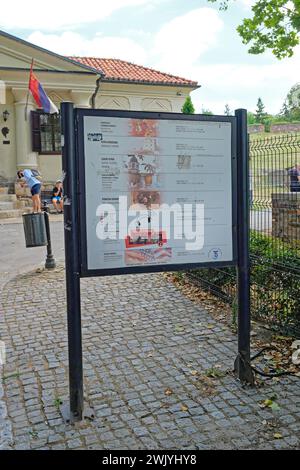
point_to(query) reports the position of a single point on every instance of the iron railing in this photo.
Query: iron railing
(275, 237)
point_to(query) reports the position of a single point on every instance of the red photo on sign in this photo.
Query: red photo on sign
(139, 238)
(144, 128)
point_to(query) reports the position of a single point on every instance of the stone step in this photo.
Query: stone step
(7, 197)
(14, 213)
(7, 206)
(3, 190)
(20, 204)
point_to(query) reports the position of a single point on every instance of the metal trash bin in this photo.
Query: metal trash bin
(35, 230)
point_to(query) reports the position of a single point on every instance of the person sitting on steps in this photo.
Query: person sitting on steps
(57, 197)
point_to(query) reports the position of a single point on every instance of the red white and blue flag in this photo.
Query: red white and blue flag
(39, 95)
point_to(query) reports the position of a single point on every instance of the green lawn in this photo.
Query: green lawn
(270, 156)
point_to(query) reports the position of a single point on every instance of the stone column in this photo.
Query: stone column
(26, 158)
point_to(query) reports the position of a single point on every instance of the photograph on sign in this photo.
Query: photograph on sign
(157, 191)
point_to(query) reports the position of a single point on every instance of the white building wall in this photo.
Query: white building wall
(120, 96)
(8, 151)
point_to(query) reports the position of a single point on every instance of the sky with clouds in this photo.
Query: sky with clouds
(190, 38)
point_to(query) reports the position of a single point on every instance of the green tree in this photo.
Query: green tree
(188, 107)
(260, 113)
(274, 25)
(293, 97)
(295, 114)
(227, 110)
(285, 112)
(291, 106)
(250, 118)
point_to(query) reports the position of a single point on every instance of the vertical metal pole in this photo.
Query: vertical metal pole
(71, 230)
(242, 365)
(50, 261)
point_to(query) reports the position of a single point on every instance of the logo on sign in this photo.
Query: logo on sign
(95, 136)
(215, 254)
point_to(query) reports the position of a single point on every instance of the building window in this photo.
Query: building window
(45, 133)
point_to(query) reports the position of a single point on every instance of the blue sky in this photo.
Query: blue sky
(190, 38)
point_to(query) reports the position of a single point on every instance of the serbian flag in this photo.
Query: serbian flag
(39, 95)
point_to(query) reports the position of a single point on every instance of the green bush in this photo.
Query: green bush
(275, 280)
(188, 107)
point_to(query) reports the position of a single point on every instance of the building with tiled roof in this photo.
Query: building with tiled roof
(34, 141)
(123, 71)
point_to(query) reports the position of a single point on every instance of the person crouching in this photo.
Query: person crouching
(34, 185)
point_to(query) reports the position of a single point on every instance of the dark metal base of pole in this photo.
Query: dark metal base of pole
(50, 262)
(243, 370)
(69, 418)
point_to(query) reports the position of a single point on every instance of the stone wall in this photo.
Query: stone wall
(256, 128)
(285, 127)
(286, 216)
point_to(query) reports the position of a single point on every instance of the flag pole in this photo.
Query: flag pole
(27, 97)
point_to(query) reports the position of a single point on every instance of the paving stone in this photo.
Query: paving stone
(74, 443)
(132, 356)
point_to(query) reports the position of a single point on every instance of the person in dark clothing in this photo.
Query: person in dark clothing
(57, 197)
(294, 174)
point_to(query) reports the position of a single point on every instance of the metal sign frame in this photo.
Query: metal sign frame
(79, 116)
(75, 235)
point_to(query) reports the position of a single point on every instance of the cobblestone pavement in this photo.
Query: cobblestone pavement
(15, 259)
(147, 350)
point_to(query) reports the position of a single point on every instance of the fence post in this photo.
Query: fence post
(242, 366)
(71, 231)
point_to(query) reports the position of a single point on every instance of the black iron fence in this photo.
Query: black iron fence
(274, 236)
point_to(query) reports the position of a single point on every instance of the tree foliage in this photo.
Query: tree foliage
(274, 25)
(260, 113)
(293, 97)
(188, 107)
(285, 112)
(251, 118)
(292, 103)
(290, 111)
(227, 110)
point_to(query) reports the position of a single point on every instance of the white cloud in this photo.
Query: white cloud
(177, 45)
(70, 43)
(185, 38)
(178, 48)
(58, 14)
(242, 84)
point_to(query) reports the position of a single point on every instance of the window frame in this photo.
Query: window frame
(36, 132)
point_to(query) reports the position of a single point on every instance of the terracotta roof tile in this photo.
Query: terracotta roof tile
(120, 70)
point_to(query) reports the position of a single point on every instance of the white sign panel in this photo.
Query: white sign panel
(157, 192)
